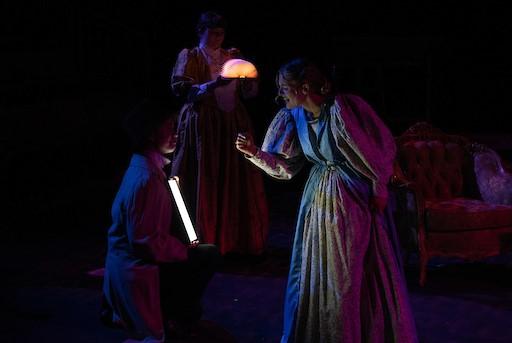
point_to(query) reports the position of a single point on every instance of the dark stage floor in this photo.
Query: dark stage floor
(48, 296)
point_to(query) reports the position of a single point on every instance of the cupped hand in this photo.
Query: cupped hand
(221, 81)
(244, 143)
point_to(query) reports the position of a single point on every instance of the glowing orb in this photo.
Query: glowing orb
(238, 69)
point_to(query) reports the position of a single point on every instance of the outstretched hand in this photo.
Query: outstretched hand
(221, 81)
(218, 82)
(245, 144)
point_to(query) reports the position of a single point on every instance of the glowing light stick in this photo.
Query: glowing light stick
(175, 189)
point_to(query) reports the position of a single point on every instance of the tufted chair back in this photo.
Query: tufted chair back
(452, 197)
(435, 162)
(435, 167)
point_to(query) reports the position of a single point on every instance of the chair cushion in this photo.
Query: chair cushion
(462, 214)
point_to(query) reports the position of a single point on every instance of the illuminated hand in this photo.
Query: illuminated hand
(220, 81)
(193, 244)
(244, 143)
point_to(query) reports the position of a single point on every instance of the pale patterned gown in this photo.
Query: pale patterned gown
(345, 282)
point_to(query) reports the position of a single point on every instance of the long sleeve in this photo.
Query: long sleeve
(364, 140)
(281, 155)
(148, 219)
(186, 79)
(182, 77)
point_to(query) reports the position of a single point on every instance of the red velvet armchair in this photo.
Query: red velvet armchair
(454, 198)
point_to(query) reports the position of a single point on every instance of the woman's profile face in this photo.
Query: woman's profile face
(212, 37)
(290, 94)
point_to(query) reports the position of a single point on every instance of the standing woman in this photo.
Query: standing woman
(345, 282)
(224, 193)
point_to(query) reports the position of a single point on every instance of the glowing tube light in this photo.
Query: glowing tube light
(191, 233)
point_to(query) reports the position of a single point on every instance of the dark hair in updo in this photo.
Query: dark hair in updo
(301, 70)
(210, 20)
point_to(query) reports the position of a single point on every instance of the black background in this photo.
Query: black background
(69, 72)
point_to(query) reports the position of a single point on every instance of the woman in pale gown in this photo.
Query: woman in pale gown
(345, 281)
(224, 193)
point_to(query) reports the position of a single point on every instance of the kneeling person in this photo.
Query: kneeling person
(151, 277)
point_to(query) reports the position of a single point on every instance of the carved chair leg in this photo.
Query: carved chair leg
(423, 257)
(423, 269)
